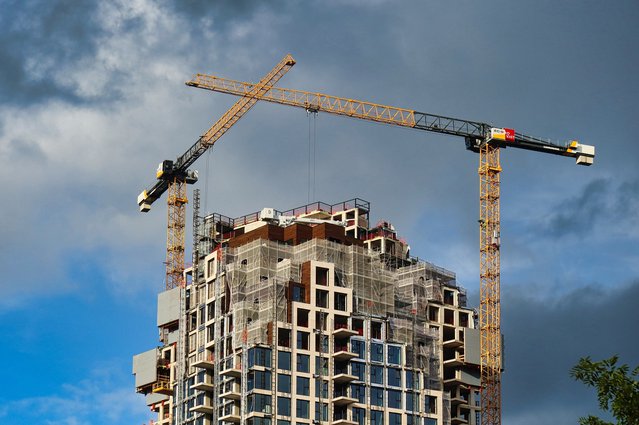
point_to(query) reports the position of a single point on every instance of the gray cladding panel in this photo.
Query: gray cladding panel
(471, 346)
(168, 306)
(145, 367)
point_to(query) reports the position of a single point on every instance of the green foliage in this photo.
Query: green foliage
(617, 389)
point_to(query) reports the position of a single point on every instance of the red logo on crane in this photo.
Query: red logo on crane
(510, 134)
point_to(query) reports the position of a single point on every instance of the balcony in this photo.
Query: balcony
(230, 413)
(204, 384)
(231, 391)
(342, 331)
(343, 400)
(343, 377)
(202, 405)
(453, 343)
(458, 360)
(229, 369)
(342, 352)
(343, 422)
(205, 363)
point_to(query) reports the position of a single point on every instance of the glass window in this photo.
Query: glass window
(283, 383)
(377, 352)
(394, 377)
(359, 392)
(303, 363)
(394, 419)
(283, 422)
(430, 421)
(358, 347)
(358, 369)
(340, 302)
(377, 396)
(412, 402)
(302, 340)
(412, 380)
(302, 386)
(259, 356)
(359, 415)
(395, 399)
(431, 404)
(324, 410)
(259, 403)
(377, 374)
(377, 417)
(259, 379)
(302, 408)
(321, 366)
(284, 360)
(284, 406)
(394, 355)
(324, 391)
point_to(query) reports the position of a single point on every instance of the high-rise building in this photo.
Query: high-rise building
(311, 316)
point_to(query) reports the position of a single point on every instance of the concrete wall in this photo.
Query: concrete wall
(145, 367)
(168, 306)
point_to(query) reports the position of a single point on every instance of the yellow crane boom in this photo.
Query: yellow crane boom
(480, 137)
(174, 175)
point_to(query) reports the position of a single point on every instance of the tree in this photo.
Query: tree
(617, 389)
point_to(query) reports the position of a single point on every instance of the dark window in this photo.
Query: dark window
(302, 408)
(259, 380)
(412, 402)
(259, 356)
(394, 419)
(359, 392)
(395, 399)
(377, 374)
(377, 417)
(303, 363)
(358, 347)
(377, 352)
(377, 396)
(394, 355)
(302, 340)
(324, 410)
(340, 301)
(302, 386)
(358, 369)
(283, 383)
(431, 404)
(324, 390)
(359, 415)
(394, 377)
(284, 406)
(284, 360)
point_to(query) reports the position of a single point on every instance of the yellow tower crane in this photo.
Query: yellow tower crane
(175, 175)
(482, 138)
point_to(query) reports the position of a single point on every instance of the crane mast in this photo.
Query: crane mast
(479, 137)
(173, 176)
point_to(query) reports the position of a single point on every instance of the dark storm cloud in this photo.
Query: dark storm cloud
(37, 37)
(545, 338)
(600, 200)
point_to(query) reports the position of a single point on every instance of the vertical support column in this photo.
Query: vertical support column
(175, 239)
(489, 269)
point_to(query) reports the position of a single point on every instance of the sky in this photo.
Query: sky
(92, 98)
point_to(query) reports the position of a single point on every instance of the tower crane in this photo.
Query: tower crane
(175, 175)
(482, 138)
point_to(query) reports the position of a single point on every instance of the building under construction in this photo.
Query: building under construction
(311, 315)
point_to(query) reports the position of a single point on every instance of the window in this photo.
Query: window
(321, 298)
(377, 352)
(302, 317)
(324, 409)
(258, 421)
(321, 276)
(377, 396)
(321, 366)
(283, 383)
(359, 392)
(283, 422)
(302, 408)
(298, 293)
(394, 419)
(303, 363)
(431, 404)
(377, 417)
(358, 347)
(340, 302)
(259, 380)
(359, 415)
(394, 377)
(412, 402)
(302, 340)
(395, 399)
(324, 390)
(358, 369)
(284, 406)
(377, 374)
(412, 380)
(259, 403)
(376, 330)
(284, 360)
(259, 356)
(321, 343)
(284, 337)
(302, 386)
(431, 421)
(394, 355)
